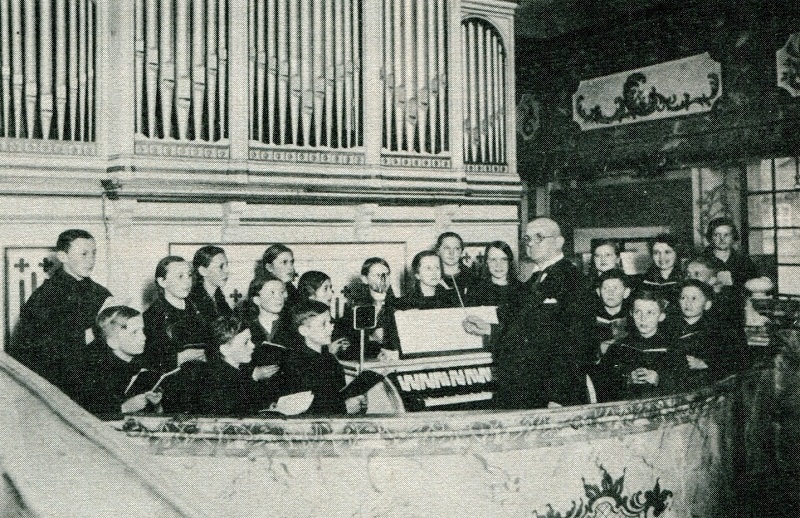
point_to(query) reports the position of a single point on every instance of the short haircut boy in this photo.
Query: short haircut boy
(66, 238)
(161, 267)
(305, 310)
(645, 294)
(706, 289)
(614, 273)
(367, 266)
(711, 264)
(114, 317)
(225, 328)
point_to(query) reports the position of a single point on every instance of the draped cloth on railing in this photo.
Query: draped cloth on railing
(47, 59)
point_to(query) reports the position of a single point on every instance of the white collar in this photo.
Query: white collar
(548, 264)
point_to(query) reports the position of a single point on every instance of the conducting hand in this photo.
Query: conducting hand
(476, 326)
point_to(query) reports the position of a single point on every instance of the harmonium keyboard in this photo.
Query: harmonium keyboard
(451, 382)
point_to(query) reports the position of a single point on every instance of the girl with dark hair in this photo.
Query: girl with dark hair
(664, 275)
(211, 274)
(175, 329)
(278, 261)
(316, 285)
(429, 292)
(497, 284)
(267, 316)
(455, 273)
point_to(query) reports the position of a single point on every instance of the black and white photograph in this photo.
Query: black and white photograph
(400, 258)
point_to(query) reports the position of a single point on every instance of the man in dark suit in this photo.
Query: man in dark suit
(544, 344)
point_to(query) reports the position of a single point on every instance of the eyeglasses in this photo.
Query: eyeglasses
(536, 238)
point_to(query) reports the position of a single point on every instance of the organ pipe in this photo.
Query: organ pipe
(414, 72)
(47, 82)
(484, 93)
(305, 80)
(181, 67)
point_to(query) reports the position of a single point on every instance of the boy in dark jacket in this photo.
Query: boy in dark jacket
(55, 323)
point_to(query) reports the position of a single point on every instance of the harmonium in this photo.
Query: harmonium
(438, 365)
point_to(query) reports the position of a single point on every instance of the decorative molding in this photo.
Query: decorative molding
(681, 87)
(232, 212)
(607, 501)
(306, 157)
(787, 64)
(486, 168)
(362, 223)
(47, 147)
(528, 116)
(182, 149)
(421, 433)
(444, 218)
(416, 161)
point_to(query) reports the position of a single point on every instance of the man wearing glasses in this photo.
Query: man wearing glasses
(542, 352)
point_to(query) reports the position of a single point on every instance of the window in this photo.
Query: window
(773, 208)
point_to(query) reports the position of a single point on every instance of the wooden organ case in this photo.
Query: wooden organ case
(153, 123)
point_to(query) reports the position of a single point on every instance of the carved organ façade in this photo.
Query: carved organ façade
(230, 121)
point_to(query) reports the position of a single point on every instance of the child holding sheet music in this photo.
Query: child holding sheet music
(645, 364)
(173, 325)
(612, 309)
(220, 386)
(313, 359)
(114, 380)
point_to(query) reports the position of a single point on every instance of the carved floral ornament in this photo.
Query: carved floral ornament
(787, 64)
(681, 87)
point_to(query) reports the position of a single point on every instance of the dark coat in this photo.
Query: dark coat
(322, 374)
(545, 342)
(715, 344)
(209, 308)
(656, 353)
(486, 293)
(168, 330)
(50, 337)
(212, 388)
(741, 266)
(108, 381)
